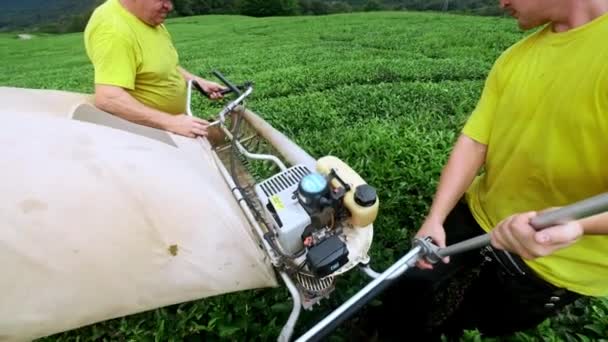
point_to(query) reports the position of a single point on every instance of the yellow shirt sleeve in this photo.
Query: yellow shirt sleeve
(479, 125)
(113, 58)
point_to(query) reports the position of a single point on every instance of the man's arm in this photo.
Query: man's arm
(466, 159)
(464, 163)
(595, 225)
(515, 234)
(211, 88)
(117, 101)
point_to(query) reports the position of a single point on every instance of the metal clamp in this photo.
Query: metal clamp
(428, 250)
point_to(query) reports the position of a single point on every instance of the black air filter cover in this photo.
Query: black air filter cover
(327, 256)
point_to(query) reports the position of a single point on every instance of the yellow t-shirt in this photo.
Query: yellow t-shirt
(544, 116)
(128, 53)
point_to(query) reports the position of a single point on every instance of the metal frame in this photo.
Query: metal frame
(422, 248)
(288, 328)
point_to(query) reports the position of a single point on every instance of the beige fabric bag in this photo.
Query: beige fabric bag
(98, 222)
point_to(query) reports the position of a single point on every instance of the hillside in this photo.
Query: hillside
(59, 15)
(387, 92)
(38, 13)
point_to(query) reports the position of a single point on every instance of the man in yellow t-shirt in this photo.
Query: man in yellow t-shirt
(540, 132)
(137, 72)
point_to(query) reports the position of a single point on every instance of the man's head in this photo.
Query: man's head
(530, 13)
(152, 12)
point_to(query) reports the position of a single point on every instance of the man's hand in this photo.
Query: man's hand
(186, 125)
(435, 230)
(516, 235)
(211, 88)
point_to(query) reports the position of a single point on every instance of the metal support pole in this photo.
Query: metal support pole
(424, 248)
(346, 310)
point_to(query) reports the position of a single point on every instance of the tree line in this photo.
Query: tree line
(43, 19)
(262, 8)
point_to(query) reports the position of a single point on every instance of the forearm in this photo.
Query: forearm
(187, 75)
(595, 225)
(119, 102)
(466, 159)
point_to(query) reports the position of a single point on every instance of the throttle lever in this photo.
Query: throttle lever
(229, 84)
(223, 91)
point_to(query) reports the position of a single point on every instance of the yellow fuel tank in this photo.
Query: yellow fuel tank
(361, 200)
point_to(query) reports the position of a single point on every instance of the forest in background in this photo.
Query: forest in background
(63, 16)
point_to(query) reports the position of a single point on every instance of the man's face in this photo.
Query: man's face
(153, 12)
(529, 13)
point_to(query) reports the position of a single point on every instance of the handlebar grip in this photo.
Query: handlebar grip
(578, 210)
(231, 86)
(585, 208)
(202, 91)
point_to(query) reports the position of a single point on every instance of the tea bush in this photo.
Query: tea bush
(386, 92)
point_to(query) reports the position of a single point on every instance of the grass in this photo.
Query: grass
(386, 92)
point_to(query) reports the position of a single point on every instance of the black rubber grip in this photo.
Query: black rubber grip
(228, 84)
(202, 91)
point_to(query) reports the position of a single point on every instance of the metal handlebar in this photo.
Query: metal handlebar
(222, 121)
(228, 84)
(424, 248)
(230, 107)
(585, 208)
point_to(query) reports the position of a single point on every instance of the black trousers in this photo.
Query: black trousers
(489, 290)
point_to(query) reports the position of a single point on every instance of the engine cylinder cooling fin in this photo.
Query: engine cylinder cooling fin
(284, 181)
(315, 286)
(287, 216)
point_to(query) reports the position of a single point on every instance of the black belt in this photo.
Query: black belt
(510, 263)
(514, 266)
